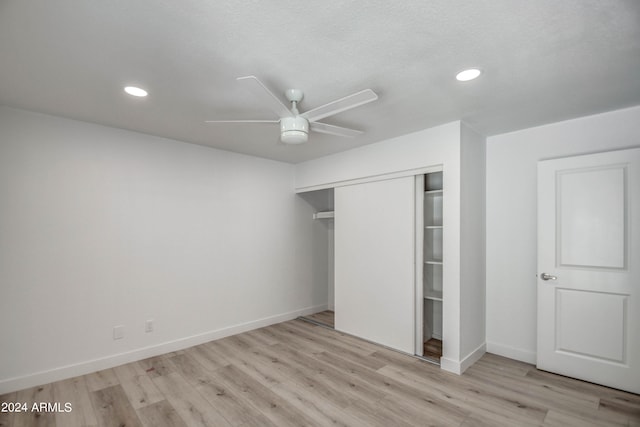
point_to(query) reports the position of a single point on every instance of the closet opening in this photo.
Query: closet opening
(322, 202)
(432, 233)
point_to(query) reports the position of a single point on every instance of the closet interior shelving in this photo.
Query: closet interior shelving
(433, 263)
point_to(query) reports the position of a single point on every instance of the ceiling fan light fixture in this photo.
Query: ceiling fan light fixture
(294, 130)
(470, 74)
(295, 126)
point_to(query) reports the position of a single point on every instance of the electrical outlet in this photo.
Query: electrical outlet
(148, 326)
(118, 332)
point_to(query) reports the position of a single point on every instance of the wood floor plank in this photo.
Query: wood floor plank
(160, 414)
(266, 333)
(364, 347)
(499, 364)
(222, 359)
(539, 390)
(329, 374)
(230, 404)
(35, 417)
(323, 411)
(557, 418)
(188, 402)
(265, 365)
(355, 342)
(237, 341)
(613, 403)
(250, 340)
(128, 370)
(101, 379)
(390, 357)
(75, 392)
(621, 404)
(321, 399)
(481, 420)
(374, 414)
(504, 400)
(157, 366)
(268, 367)
(537, 393)
(326, 317)
(225, 350)
(422, 398)
(113, 408)
(206, 357)
(298, 336)
(318, 334)
(417, 415)
(346, 344)
(137, 385)
(449, 388)
(260, 366)
(432, 349)
(287, 335)
(278, 410)
(261, 338)
(6, 417)
(190, 369)
(585, 387)
(331, 334)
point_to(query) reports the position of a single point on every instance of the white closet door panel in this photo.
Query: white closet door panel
(374, 261)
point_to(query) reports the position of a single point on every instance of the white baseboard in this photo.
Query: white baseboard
(458, 367)
(512, 352)
(44, 377)
(473, 357)
(450, 365)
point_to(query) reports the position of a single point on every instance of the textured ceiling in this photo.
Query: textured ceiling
(543, 61)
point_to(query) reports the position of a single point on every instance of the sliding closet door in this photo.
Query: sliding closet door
(374, 261)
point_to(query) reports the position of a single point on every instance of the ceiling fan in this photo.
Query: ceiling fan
(295, 126)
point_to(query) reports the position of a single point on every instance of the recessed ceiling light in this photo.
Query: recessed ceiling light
(135, 91)
(470, 74)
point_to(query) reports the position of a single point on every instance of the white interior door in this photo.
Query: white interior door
(589, 248)
(374, 261)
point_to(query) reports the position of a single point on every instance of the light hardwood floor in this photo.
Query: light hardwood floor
(432, 349)
(296, 373)
(326, 318)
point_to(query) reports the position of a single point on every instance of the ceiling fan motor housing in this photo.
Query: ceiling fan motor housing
(294, 130)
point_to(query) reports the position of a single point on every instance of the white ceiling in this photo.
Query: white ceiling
(543, 61)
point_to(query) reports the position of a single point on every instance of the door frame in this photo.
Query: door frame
(550, 355)
(419, 266)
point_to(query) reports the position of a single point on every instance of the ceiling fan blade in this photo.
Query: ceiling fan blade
(242, 121)
(334, 130)
(340, 105)
(260, 91)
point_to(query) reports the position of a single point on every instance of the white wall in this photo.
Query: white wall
(472, 247)
(102, 227)
(511, 216)
(416, 150)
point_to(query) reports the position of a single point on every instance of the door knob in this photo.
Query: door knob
(545, 276)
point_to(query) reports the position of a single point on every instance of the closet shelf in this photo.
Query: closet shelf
(433, 192)
(324, 215)
(433, 227)
(433, 295)
(433, 262)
